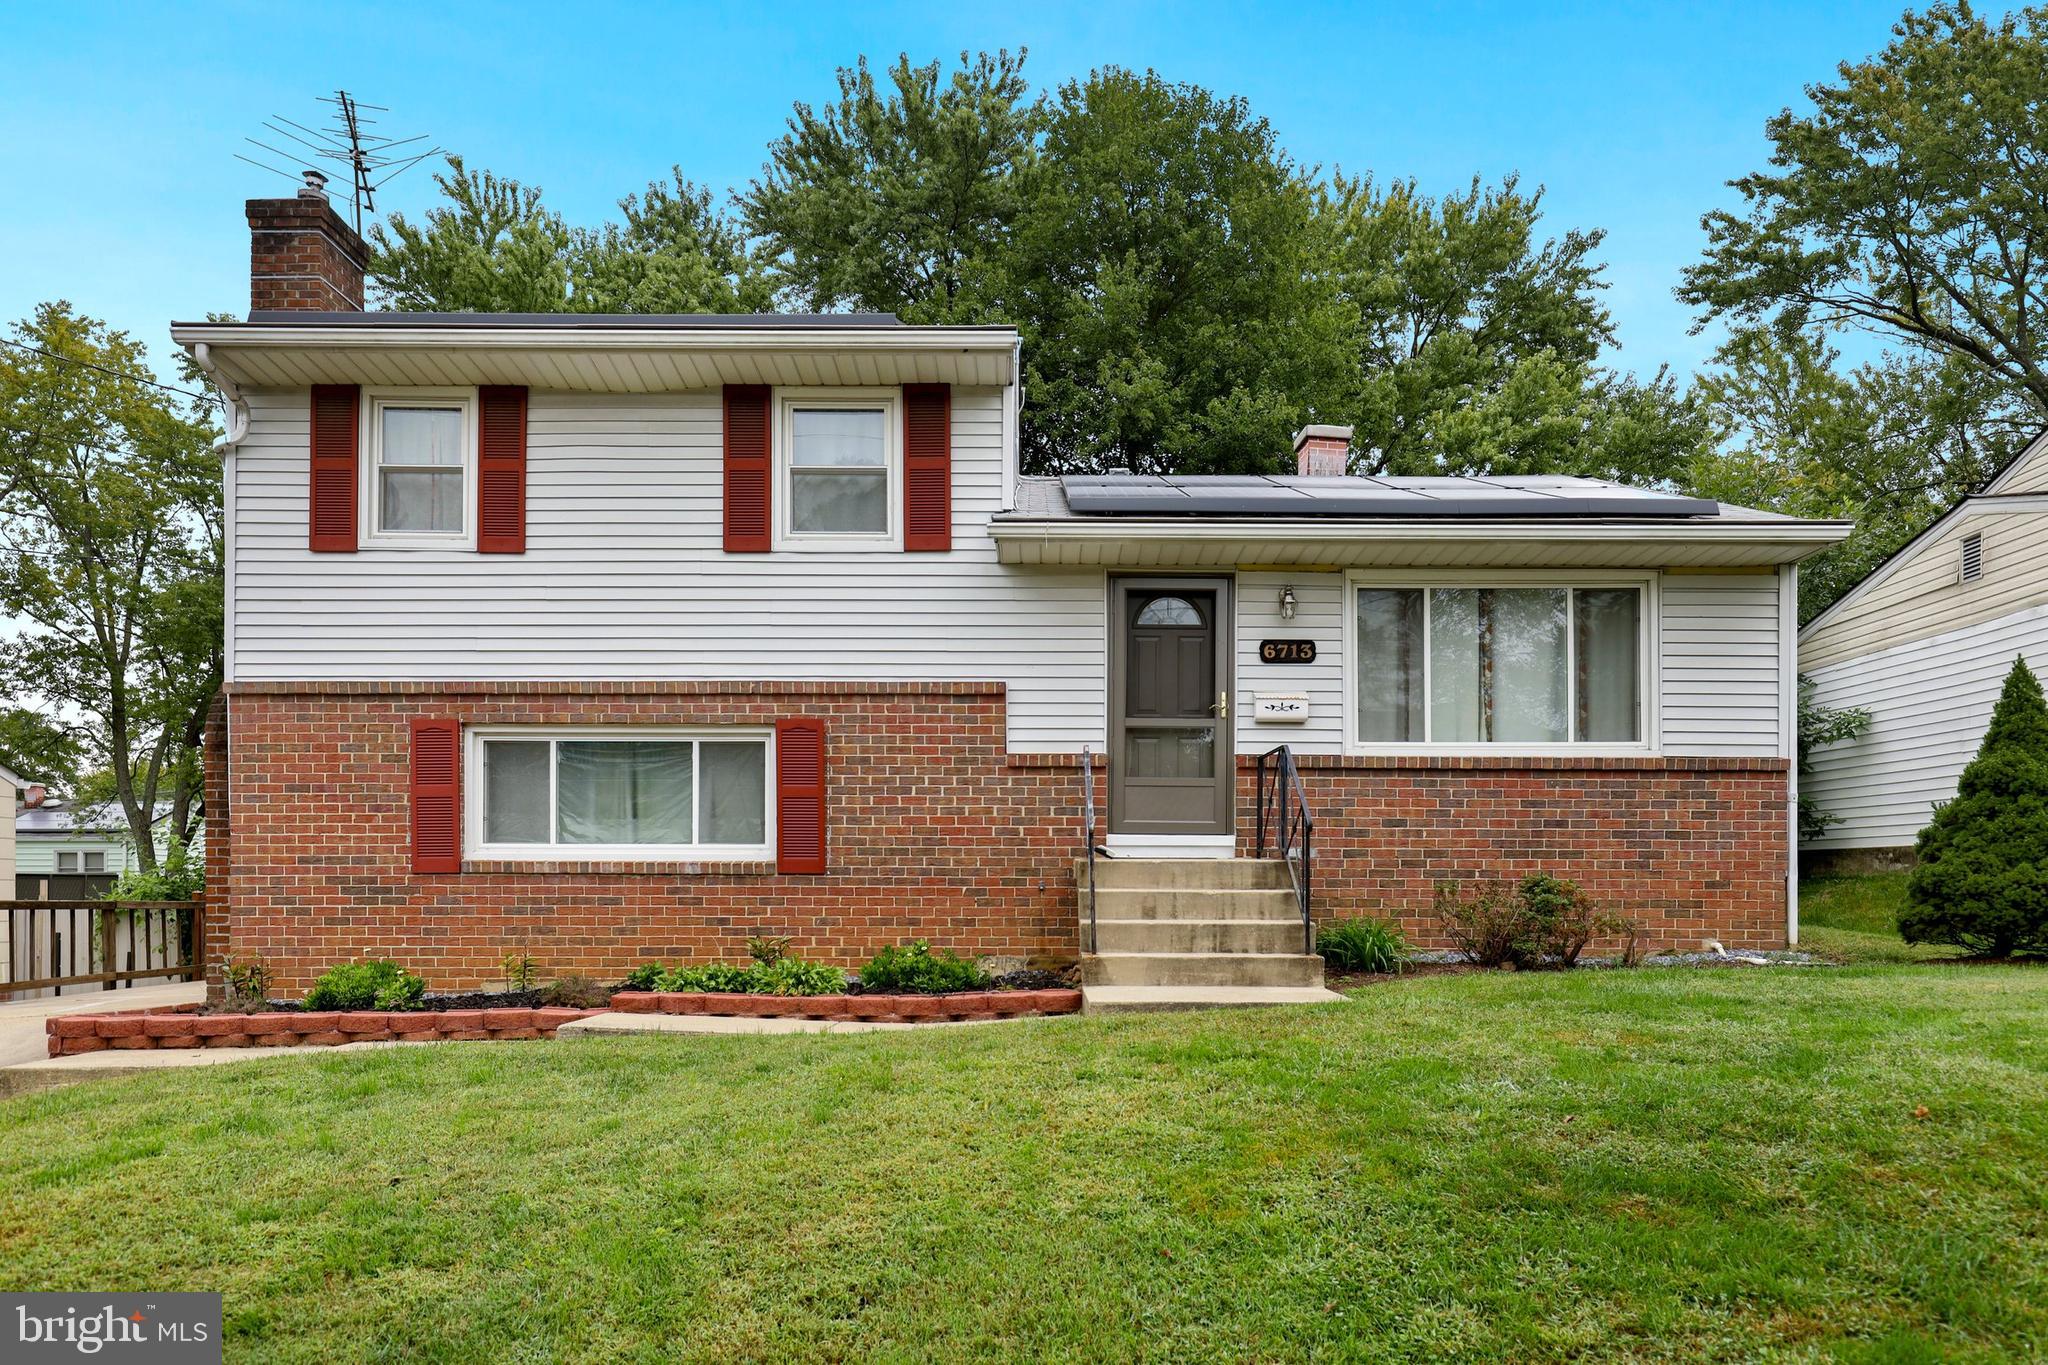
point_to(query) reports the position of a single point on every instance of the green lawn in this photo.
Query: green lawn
(1660, 1163)
(1855, 917)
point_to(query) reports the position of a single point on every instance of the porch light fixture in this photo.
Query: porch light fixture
(1287, 603)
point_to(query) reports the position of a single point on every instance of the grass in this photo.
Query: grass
(1796, 1163)
(1854, 917)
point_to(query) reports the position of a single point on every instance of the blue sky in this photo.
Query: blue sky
(118, 124)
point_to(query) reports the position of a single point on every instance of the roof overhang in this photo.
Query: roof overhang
(610, 359)
(1131, 542)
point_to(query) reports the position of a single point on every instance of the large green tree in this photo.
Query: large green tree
(1169, 278)
(110, 559)
(1476, 347)
(1912, 201)
(1890, 444)
(898, 200)
(493, 246)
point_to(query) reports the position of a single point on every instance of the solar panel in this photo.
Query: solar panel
(1238, 495)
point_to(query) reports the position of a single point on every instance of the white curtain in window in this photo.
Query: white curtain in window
(735, 792)
(1497, 666)
(1390, 664)
(1455, 715)
(420, 481)
(1609, 657)
(623, 792)
(516, 791)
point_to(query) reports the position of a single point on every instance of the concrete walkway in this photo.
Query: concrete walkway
(24, 1039)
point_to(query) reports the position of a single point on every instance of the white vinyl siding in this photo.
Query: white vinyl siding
(1318, 616)
(625, 577)
(1929, 702)
(1722, 662)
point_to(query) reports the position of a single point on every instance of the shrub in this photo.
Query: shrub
(178, 878)
(370, 984)
(1483, 928)
(575, 992)
(1981, 882)
(767, 949)
(1544, 921)
(783, 976)
(245, 984)
(915, 967)
(1558, 921)
(648, 976)
(1362, 945)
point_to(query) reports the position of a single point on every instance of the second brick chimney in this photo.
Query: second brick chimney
(302, 256)
(1322, 452)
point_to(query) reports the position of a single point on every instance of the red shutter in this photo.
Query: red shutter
(747, 467)
(800, 795)
(331, 483)
(927, 466)
(436, 796)
(501, 470)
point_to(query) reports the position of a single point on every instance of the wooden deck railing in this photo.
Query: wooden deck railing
(103, 944)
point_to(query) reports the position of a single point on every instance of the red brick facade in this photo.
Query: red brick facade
(934, 832)
(1695, 848)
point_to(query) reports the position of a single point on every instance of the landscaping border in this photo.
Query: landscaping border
(71, 1034)
(872, 1009)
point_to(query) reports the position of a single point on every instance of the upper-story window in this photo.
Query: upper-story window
(420, 467)
(840, 469)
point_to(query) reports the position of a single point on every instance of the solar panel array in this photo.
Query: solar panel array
(1256, 495)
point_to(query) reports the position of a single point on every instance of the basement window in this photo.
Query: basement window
(1973, 557)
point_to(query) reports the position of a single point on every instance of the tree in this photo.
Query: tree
(39, 749)
(1891, 444)
(110, 517)
(1168, 277)
(898, 202)
(494, 247)
(1912, 201)
(1475, 347)
(1981, 882)
(1820, 725)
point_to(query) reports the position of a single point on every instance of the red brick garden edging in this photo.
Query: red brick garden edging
(878, 1009)
(75, 1033)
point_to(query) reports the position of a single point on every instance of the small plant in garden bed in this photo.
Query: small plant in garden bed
(1542, 921)
(1362, 945)
(915, 968)
(369, 984)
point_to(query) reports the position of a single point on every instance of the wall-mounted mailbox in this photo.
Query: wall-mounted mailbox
(1280, 708)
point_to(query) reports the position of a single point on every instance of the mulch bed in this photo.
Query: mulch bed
(866, 1008)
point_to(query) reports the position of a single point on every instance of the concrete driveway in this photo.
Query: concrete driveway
(24, 1039)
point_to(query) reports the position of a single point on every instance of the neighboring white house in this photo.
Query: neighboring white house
(12, 785)
(1923, 644)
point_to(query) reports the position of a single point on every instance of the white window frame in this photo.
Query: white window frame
(889, 402)
(1648, 632)
(474, 787)
(372, 443)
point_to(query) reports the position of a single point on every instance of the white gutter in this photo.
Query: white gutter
(1210, 531)
(353, 337)
(238, 410)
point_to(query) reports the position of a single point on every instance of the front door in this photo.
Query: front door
(1171, 761)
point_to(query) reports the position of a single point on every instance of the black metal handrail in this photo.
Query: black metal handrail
(1088, 832)
(1294, 826)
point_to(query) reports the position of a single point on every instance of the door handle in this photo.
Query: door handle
(1222, 706)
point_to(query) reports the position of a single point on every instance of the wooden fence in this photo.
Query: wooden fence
(100, 944)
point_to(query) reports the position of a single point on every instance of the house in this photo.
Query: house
(614, 638)
(65, 851)
(12, 787)
(1923, 644)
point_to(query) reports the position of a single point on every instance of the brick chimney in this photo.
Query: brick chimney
(1322, 452)
(302, 255)
(34, 795)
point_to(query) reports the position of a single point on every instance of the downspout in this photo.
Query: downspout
(238, 408)
(1788, 646)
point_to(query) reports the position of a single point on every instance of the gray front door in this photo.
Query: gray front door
(1171, 762)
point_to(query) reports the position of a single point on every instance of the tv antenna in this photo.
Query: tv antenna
(371, 159)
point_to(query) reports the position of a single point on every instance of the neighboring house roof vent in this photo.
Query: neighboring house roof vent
(1973, 556)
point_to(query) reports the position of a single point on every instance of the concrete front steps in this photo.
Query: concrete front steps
(1179, 933)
